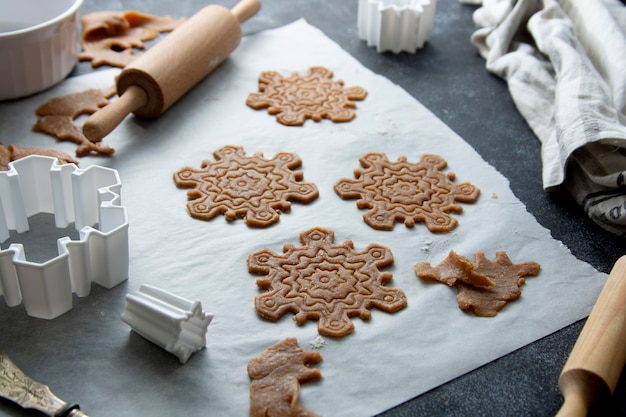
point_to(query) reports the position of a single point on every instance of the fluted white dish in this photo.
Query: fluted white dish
(38, 44)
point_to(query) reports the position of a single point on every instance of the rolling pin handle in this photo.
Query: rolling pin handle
(102, 122)
(594, 366)
(245, 9)
(573, 406)
(581, 389)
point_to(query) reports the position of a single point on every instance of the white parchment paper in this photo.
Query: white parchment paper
(386, 360)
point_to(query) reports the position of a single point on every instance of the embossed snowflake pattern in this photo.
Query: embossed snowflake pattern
(299, 97)
(253, 187)
(325, 282)
(406, 191)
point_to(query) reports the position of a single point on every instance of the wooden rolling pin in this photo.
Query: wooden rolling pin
(153, 82)
(595, 364)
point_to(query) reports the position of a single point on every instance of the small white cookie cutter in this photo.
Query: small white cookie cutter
(396, 25)
(174, 323)
(88, 197)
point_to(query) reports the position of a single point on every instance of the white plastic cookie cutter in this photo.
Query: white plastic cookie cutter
(396, 25)
(88, 197)
(174, 323)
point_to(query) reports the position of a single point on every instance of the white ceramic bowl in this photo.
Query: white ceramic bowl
(38, 44)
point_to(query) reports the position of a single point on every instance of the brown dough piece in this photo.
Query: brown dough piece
(106, 53)
(406, 191)
(74, 104)
(276, 376)
(109, 36)
(454, 269)
(508, 279)
(325, 282)
(299, 97)
(253, 187)
(56, 118)
(12, 153)
(483, 300)
(5, 157)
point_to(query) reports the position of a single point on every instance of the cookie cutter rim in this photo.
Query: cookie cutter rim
(396, 25)
(90, 198)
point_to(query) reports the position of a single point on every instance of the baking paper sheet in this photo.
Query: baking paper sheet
(386, 360)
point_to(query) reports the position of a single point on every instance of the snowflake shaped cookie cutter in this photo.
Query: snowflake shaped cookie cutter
(299, 97)
(396, 25)
(174, 323)
(253, 187)
(325, 282)
(406, 191)
(90, 199)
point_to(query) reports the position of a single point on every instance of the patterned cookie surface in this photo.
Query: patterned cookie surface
(406, 191)
(485, 286)
(325, 282)
(252, 187)
(276, 376)
(299, 97)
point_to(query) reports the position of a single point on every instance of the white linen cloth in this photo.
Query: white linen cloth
(565, 65)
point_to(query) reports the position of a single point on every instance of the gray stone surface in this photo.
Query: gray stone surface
(449, 78)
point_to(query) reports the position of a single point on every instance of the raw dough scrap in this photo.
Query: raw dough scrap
(276, 376)
(406, 191)
(57, 115)
(109, 36)
(453, 270)
(253, 187)
(299, 97)
(325, 282)
(483, 300)
(12, 153)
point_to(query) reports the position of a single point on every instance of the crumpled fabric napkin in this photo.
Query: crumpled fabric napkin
(565, 65)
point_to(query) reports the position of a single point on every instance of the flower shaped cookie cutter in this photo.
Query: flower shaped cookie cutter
(396, 25)
(89, 198)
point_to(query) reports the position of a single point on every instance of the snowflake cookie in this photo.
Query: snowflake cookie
(299, 97)
(325, 282)
(406, 191)
(239, 186)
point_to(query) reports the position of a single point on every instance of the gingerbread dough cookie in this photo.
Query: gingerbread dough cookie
(406, 191)
(12, 153)
(57, 115)
(299, 97)
(276, 377)
(475, 292)
(324, 281)
(253, 187)
(109, 36)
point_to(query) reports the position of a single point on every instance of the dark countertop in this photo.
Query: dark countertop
(449, 78)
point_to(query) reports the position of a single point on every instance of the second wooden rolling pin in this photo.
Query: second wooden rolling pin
(594, 366)
(153, 82)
